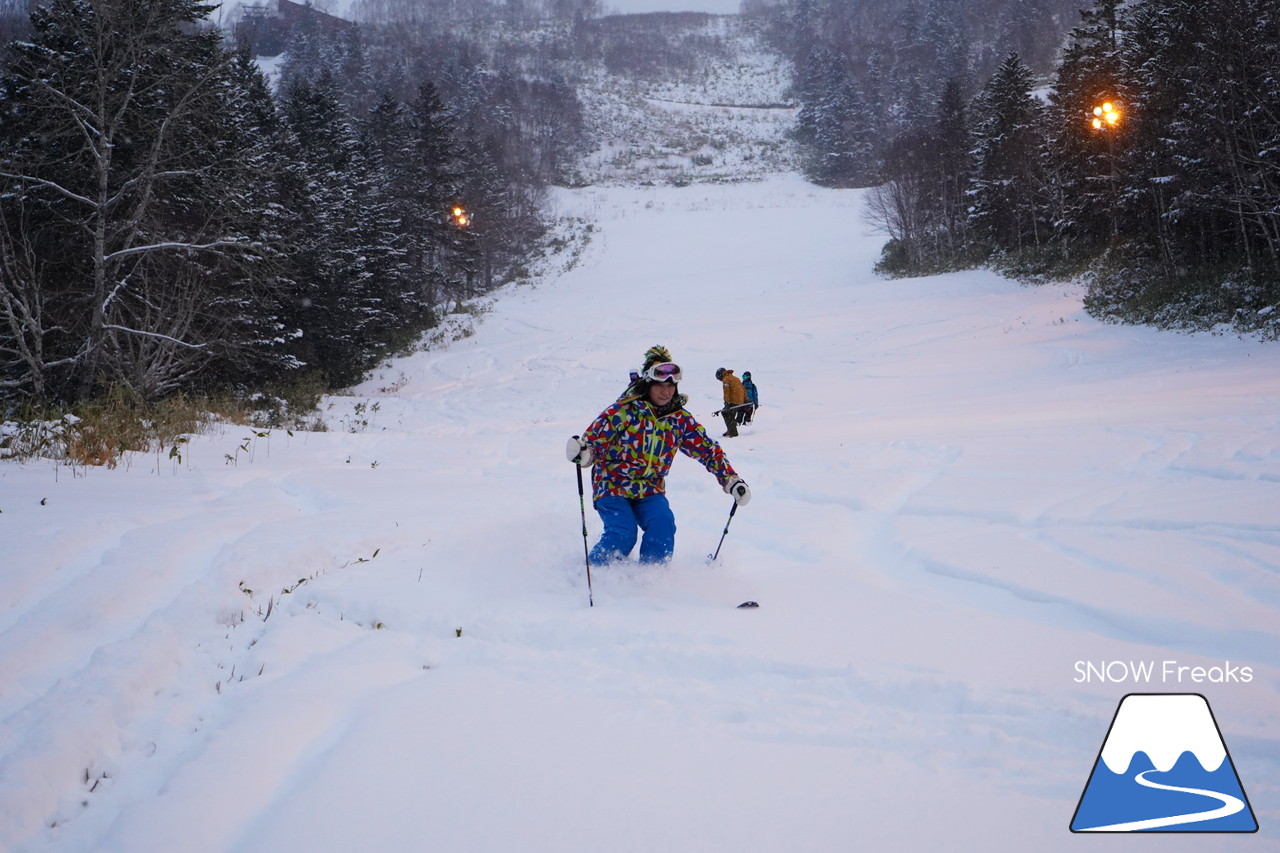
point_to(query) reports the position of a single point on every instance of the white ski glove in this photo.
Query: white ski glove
(577, 451)
(738, 488)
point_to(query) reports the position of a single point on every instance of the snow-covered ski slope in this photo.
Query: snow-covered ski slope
(726, 118)
(962, 487)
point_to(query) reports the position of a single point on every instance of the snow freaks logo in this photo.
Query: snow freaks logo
(1164, 767)
(1166, 672)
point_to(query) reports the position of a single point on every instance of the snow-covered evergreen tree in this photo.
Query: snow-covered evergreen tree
(835, 125)
(1087, 162)
(1007, 188)
(343, 250)
(1200, 195)
(436, 178)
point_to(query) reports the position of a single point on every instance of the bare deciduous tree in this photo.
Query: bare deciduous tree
(114, 176)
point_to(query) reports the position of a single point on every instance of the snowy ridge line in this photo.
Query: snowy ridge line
(719, 105)
(676, 131)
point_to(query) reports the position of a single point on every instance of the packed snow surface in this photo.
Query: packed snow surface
(378, 638)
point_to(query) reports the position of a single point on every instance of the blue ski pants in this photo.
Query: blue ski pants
(623, 517)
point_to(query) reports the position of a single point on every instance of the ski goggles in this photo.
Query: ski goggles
(667, 371)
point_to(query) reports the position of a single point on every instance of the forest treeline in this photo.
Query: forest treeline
(1142, 155)
(170, 222)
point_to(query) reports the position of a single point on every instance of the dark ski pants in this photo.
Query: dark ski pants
(623, 519)
(730, 420)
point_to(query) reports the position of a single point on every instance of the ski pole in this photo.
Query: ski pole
(586, 554)
(732, 510)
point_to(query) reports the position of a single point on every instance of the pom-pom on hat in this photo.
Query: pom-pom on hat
(655, 354)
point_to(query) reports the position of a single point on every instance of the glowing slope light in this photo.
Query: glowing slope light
(1164, 768)
(1105, 116)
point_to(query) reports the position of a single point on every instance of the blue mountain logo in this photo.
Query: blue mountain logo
(1164, 767)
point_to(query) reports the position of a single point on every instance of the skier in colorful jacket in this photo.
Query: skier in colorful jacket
(632, 445)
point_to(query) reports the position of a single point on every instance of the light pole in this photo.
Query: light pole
(462, 219)
(1106, 120)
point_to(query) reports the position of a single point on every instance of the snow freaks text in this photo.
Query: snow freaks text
(1160, 672)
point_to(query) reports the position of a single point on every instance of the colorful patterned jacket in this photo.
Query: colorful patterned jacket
(634, 447)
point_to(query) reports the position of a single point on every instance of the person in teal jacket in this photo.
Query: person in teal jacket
(632, 445)
(746, 413)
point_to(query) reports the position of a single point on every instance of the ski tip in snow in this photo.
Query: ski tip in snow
(747, 604)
